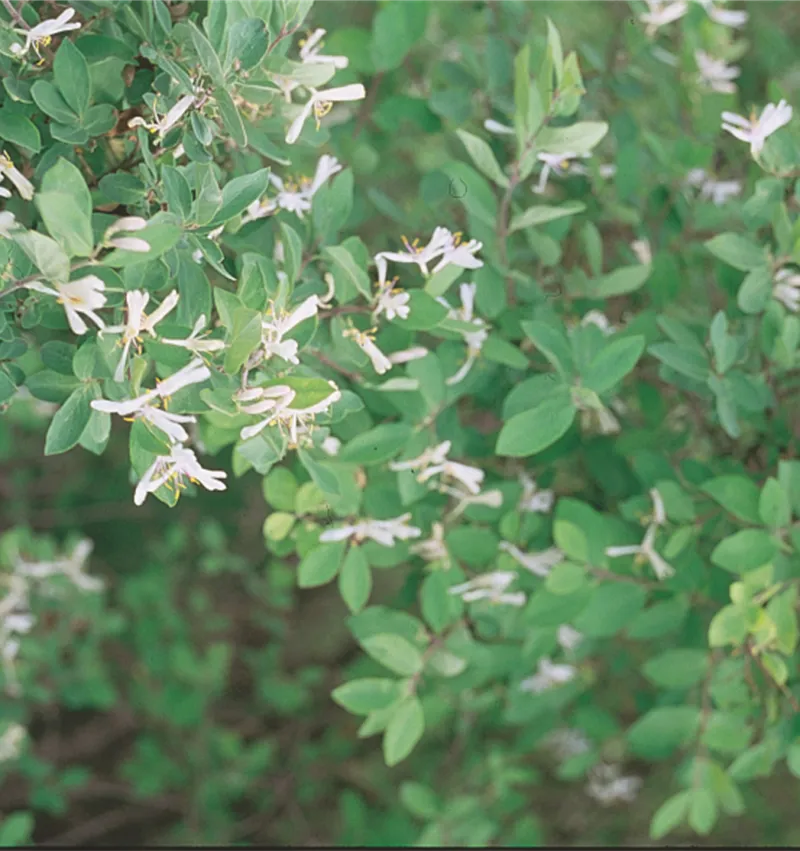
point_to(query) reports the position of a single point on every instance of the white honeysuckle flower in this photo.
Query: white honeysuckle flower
(421, 256)
(599, 320)
(756, 131)
(195, 342)
(725, 17)
(331, 445)
(407, 355)
(608, 786)
(720, 191)
(568, 637)
(173, 469)
(556, 163)
(534, 499)
(163, 124)
(644, 254)
(696, 177)
(275, 401)
(473, 339)
(538, 563)
(275, 327)
(366, 342)
(490, 586)
(84, 296)
(660, 14)
(320, 103)
(566, 743)
(496, 127)
(600, 419)
(389, 299)
(11, 740)
(42, 33)
(137, 323)
(469, 477)
(21, 183)
(491, 499)
(659, 516)
(607, 170)
(130, 243)
(73, 568)
(286, 85)
(460, 254)
(194, 372)
(383, 532)
(8, 222)
(716, 74)
(548, 675)
(433, 548)
(310, 52)
(431, 455)
(786, 289)
(645, 552)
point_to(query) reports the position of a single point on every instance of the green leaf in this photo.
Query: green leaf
(737, 251)
(245, 336)
(367, 695)
(16, 829)
(661, 731)
(622, 281)
(424, 312)
(69, 422)
(403, 731)
(532, 431)
(239, 193)
(46, 254)
(322, 477)
(613, 363)
(231, 117)
(756, 290)
(702, 811)
(482, 156)
(71, 73)
(773, 505)
(20, 130)
(161, 234)
(579, 138)
(65, 205)
(540, 214)
(670, 814)
(355, 580)
(728, 626)
(344, 261)
(497, 349)
(553, 343)
(736, 494)
(394, 653)
(207, 56)
(611, 608)
(377, 445)
(395, 28)
(686, 361)
(678, 669)
(49, 100)
(320, 565)
(247, 43)
(50, 386)
(745, 550)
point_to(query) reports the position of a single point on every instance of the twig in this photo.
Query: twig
(324, 359)
(15, 15)
(284, 33)
(782, 686)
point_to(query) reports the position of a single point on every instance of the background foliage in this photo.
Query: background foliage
(189, 700)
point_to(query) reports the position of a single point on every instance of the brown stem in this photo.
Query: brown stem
(15, 15)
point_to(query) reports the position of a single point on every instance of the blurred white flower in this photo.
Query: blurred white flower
(42, 34)
(569, 638)
(383, 532)
(716, 74)
(406, 355)
(275, 402)
(660, 14)
(331, 445)
(172, 470)
(195, 342)
(756, 131)
(9, 170)
(366, 342)
(433, 548)
(490, 586)
(8, 222)
(11, 741)
(538, 563)
(421, 256)
(73, 568)
(320, 103)
(548, 675)
(310, 52)
(726, 17)
(433, 462)
(533, 498)
(608, 786)
(84, 296)
(557, 164)
(490, 498)
(276, 326)
(599, 320)
(161, 125)
(786, 289)
(646, 550)
(566, 743)
(474, 339)
(496, 127)
(641, 248)
(460, 254)
(389, 299)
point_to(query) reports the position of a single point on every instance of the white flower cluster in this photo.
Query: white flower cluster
(16, 618)
(646, 552)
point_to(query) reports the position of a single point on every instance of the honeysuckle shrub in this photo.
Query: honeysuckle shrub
(549, 383)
